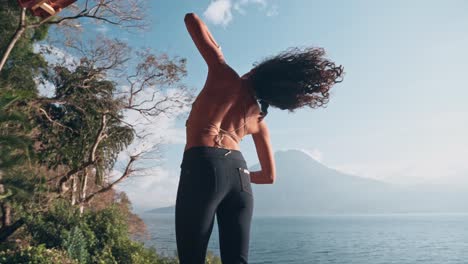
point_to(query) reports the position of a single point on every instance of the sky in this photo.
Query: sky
(399, 116)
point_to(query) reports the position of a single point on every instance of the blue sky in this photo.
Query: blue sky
(399, 116)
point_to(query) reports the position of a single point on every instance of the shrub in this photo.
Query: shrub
(76, 245)
(95, 237)
(36, 255)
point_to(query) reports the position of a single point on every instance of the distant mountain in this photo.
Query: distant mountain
(162, 210)
(304, 186)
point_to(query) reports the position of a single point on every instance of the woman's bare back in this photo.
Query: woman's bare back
(224, 112)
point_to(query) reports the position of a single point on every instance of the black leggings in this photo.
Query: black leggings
(213, 180)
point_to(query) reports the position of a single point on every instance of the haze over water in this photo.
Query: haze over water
(359, 239)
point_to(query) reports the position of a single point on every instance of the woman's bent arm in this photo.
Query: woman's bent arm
(265, 155)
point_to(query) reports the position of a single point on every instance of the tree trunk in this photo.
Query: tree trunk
(7, 231)
(19, 32)
(74, 189)
(6, 214)
(83, 191)
(5, 206)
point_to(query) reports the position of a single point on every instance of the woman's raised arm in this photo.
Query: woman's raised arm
(204, 41)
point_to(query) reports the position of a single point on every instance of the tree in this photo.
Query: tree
(116, 12)
(64, 148)
(83, 125)
(16, 150)
(77, 135)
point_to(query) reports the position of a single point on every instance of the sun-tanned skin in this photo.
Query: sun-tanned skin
(222, 101)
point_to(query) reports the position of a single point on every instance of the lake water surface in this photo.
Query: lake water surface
(369, 239)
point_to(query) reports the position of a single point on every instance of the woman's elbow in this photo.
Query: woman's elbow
(271, 179)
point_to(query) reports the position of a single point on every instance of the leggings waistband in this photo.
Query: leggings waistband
(211, 152)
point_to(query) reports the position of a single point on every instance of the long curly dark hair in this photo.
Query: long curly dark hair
(295, 78)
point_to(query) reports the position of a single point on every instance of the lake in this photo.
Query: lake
(359, 239)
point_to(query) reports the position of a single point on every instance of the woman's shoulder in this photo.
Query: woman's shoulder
(224, 71)
(223, 80)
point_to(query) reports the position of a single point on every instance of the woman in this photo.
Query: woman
(214, 178)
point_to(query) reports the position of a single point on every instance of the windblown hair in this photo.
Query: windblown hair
(295, 78)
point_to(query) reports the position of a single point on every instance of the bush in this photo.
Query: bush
(35, 255)
(76, 245)
(212, 259)
(95, 237)
(53, 227)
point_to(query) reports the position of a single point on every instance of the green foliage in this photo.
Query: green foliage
(16, 145)
(22, 64)
(113, 241)
(58, 133)
(212, 259)
(35, 255)
(8, 99)
(76, 245)
(23, 185)
(96, 237)
(17, 85)
(15, 150)
(53, 227)
(88, 97)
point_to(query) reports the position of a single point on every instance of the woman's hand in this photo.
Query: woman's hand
(258, 177)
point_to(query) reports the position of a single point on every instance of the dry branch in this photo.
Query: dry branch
(128, 170)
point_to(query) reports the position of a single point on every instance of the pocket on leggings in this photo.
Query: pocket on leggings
(199, 178)
(244, 179)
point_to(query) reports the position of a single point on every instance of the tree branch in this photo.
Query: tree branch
(54, 122)
(19, 32)
(125, 174)
(69, 174)
(7, 231)
(100, 136)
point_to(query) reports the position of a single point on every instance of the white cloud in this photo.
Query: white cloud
(156, 129)
(263, 3)
(53, 56)
(152, 185)
(273, 11)
(45, 88)
(156, 187)
(219, 12)
(239, 5)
